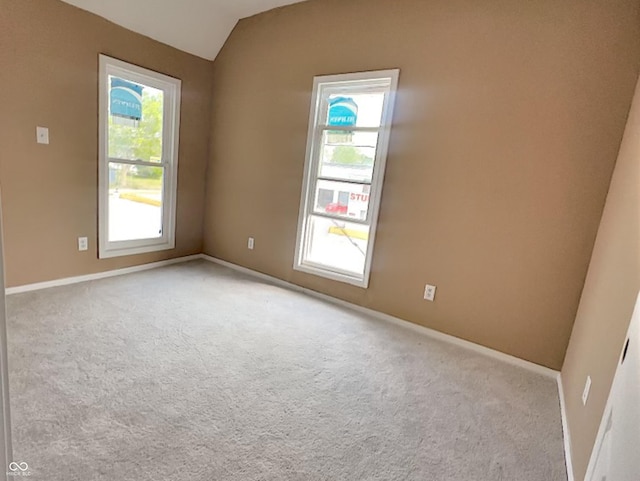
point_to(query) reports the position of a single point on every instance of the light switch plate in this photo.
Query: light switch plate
(42, 135)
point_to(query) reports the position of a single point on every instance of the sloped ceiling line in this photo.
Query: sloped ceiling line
(199, 27)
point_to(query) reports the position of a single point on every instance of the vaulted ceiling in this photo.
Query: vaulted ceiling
(199, 27)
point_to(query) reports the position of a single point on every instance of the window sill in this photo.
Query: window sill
(108, 252)
(334, 276)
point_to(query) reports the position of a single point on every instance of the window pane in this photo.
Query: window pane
(343, 199)
(324, 198)
(135, 121)
(336, 244)
(360, 110)
(348, 155)
(135, 202)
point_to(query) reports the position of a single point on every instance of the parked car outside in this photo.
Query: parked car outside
(336, 208)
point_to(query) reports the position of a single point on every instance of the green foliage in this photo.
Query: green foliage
(149, 172)
(348, 155)
(144, 141)
(140, 142)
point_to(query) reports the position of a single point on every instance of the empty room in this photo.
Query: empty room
(337, 240)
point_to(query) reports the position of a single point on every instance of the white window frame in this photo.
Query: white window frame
(170, 131)
(311, 168)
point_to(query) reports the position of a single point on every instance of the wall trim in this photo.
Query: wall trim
(565, 431)
(486, 351)
(6, 440)
(98, 275)
(530, 366)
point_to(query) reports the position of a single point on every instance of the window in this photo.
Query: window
(347, 145)
(138, 157)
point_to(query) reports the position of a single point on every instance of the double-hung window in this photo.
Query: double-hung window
(347, 145)
(138, 159)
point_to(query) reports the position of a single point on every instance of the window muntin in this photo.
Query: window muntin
(139, 126)
(346, 153)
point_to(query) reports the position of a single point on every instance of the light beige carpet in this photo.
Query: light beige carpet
(194, 372)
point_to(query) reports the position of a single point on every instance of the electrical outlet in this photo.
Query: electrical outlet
(42, 135)
(429, 292)
(83, 243)
(585, 393)
(250, 243)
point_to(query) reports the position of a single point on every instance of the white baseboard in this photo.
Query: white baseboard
(530, 366)
(98, 275)
(545, 371)
(565, 431)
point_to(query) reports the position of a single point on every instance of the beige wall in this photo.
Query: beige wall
(507, 125)
(608, 298)
(48, 76)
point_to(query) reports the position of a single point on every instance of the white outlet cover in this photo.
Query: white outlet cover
(429, 292)
(250, 243)
(585, 393)
(83, 243)
(42, 135)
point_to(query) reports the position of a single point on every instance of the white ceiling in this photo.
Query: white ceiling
(199, 27)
